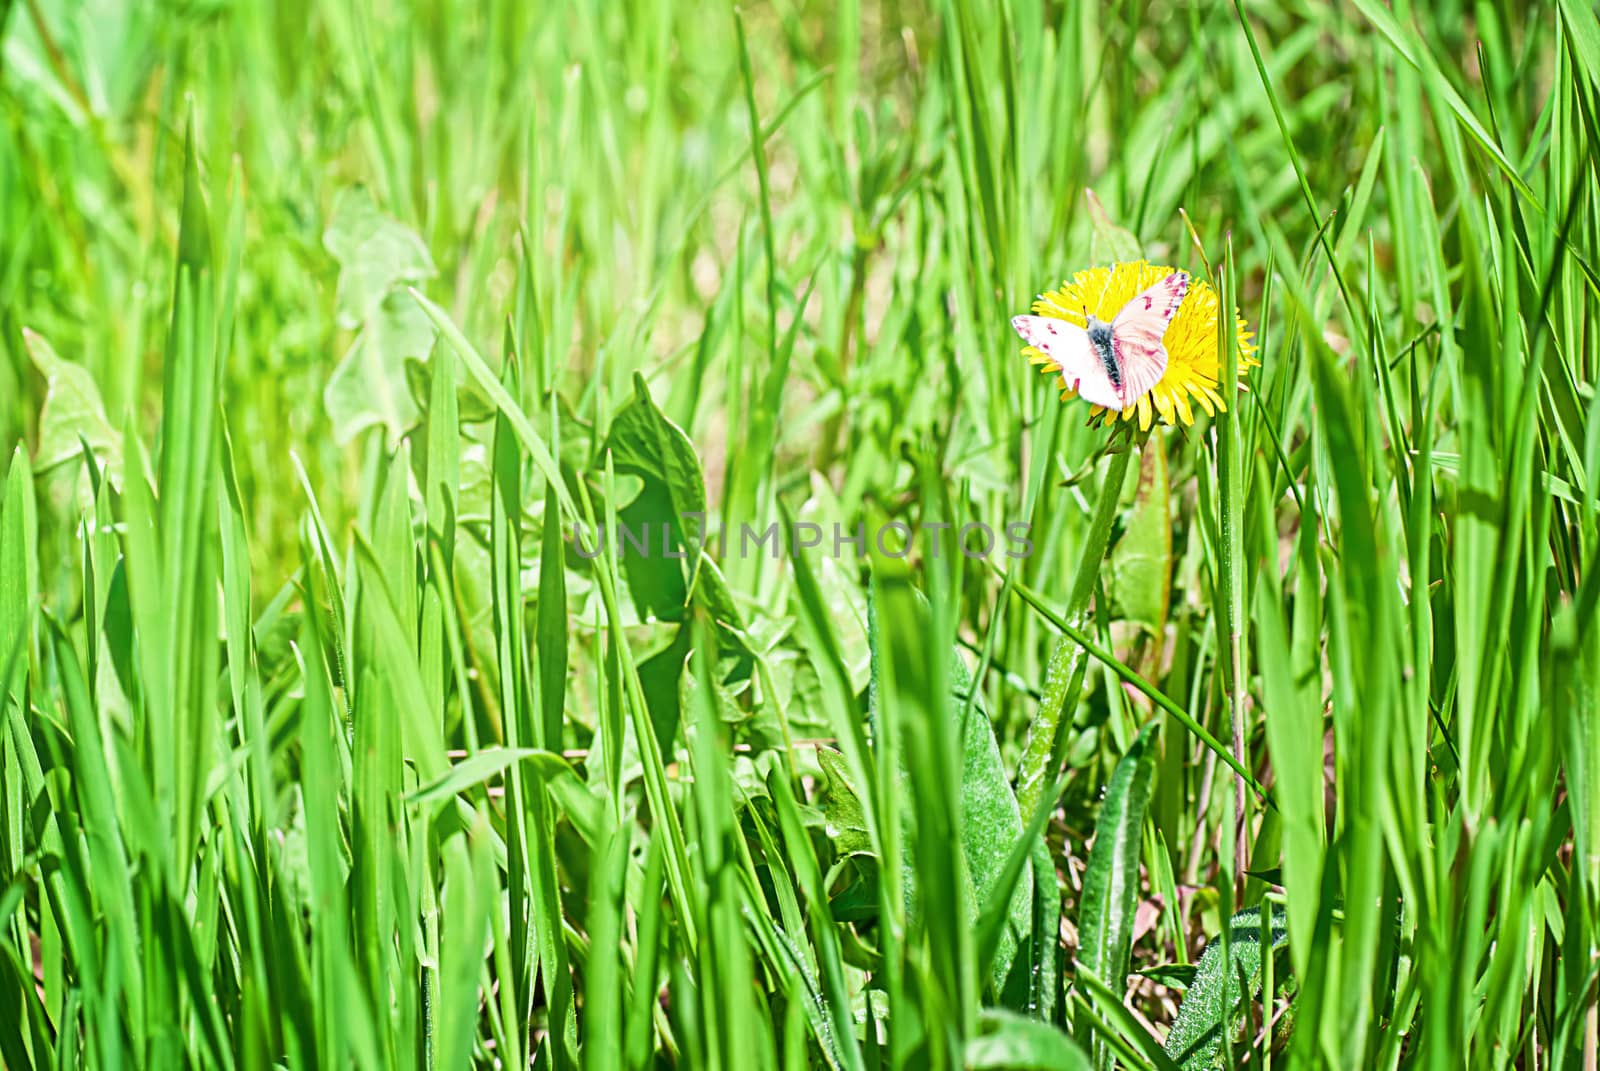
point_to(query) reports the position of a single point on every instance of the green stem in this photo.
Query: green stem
(1126, 674)
(1064, 676)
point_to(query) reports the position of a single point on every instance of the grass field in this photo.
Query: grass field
(335, 335)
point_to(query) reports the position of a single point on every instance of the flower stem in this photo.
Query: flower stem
(1064, 675)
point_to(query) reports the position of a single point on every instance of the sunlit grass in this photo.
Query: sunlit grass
(327, 330)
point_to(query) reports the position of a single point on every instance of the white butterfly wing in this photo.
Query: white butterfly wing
(1067, 350)
(1137, 331)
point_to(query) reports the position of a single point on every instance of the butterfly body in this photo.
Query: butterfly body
(1111, 364)
(1100, 338)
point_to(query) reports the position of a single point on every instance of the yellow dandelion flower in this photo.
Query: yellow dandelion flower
(1193, 370)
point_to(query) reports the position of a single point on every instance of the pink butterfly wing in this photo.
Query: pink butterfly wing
(1067, 350)
(1137, 331)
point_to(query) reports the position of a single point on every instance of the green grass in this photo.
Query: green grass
(323, 744)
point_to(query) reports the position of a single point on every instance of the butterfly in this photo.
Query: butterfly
(1110, 364)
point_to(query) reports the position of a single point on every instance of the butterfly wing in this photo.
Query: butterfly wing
(1137, 331)
(1066, 349)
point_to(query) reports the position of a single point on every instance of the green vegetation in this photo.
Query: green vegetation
(324, 744)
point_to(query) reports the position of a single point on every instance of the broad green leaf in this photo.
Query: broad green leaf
(1112, 244)
(847, 610)
(1211, 1007)
(72, 415)
(847, 820)
(643, 442)
(658, 546)
(655, 541)
(662, 678)
(1010, 1042)
(376, 253)
(651, 546)
(1141, 561)
(369, 387)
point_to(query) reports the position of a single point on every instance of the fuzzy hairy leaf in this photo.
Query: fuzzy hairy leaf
(1213, 1002)
(1111, 883)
